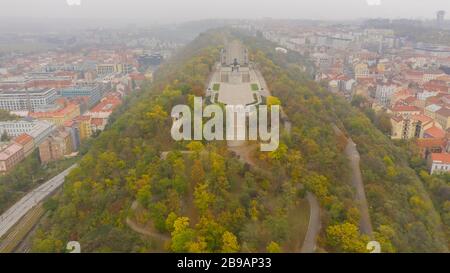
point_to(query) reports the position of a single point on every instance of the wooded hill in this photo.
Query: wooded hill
(125, 197)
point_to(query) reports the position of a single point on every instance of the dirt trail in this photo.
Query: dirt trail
(142, 230)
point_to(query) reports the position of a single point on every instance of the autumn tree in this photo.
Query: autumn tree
(273, 247)
(318, 184)
(272, 100)
(230, 243)
(182, 235)
(197, 173)
(203, 199)
(345, 237)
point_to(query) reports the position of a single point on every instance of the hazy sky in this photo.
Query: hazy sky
(182, 10)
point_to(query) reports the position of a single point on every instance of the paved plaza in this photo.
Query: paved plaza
(235, 82)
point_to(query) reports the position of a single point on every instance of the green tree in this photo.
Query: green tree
(4, 137)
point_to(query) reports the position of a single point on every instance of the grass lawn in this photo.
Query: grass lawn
(216, 87)
(255, 87)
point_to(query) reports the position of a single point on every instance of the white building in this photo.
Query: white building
(439, 162)
(16, 128)
(41, 131)
(322, 60)
(426, 94)
(429, 76)
(384, 93)
(38, 129)
(27, 99)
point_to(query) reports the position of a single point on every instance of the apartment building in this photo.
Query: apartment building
(443, 117)
(105, 69)
(10, 156)
(37, 129)
(361, 71)
(84, 127)
(413, 126)
(439, 162)
(384, 92)
(16, 127)
(58, 117)
(41, 131)
(94, 92)
(55, 146)
(27, 142)
(30, 99)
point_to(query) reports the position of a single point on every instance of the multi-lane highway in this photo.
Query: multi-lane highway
(10, 217)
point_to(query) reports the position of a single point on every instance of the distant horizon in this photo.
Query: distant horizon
(140, 21)
(181, 11)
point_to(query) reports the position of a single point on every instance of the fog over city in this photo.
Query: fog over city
(183, 10)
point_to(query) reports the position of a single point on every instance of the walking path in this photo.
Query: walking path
(365, 224)
(352, 153)
(144, 231)
(310, 244)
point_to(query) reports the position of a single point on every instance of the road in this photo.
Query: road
(310, 245)
(10, 217)
(357, 182)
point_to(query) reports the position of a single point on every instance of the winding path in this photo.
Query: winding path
(365, 224)
(310, 244)
(141, 230)
(352, 153)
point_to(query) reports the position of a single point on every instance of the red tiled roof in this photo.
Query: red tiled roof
(61, 112)
(405, 91)
(431, 142)
(397, 118)
(422, 118)
(435, 132)
(442, 158)
(414, 73)
(405, 108)
(82, 118)
(108, 104)
(23, 139)
(137, 77)
(97, 121)
(445, 112)
(69, 123)
(433, 100)
(410, 100)
(435, 87)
